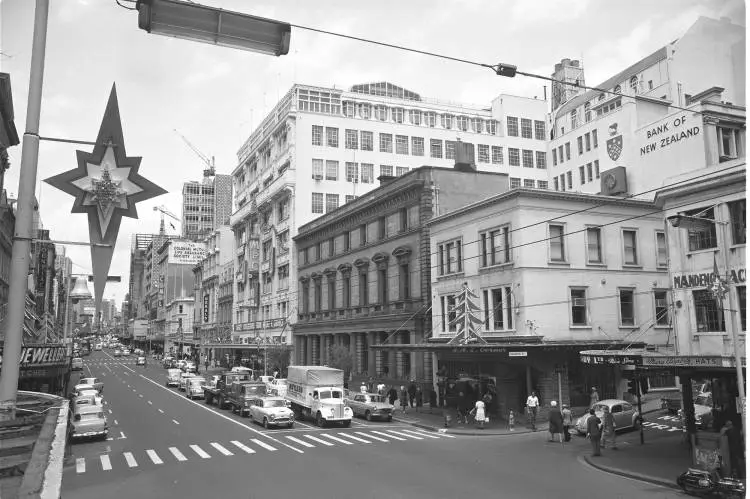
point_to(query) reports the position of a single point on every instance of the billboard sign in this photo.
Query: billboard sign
(186, 252)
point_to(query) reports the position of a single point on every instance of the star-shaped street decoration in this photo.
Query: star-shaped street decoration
(106, 186)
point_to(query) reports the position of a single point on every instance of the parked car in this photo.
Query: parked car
(86, 391)
(265, 379)
(370, 405)
(240, 369)
(141, 361)
(167, 362)
(173, 377)
(89, 421)
(271, 411)
(626, 416)
(277, 386)
(118, 353)
(184, 377)
(189, 367)
(95, 382)
(194, 388)
(87, 399)
(76, 364)
(704, 411)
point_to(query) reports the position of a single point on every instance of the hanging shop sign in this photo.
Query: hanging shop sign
(683, 361)
(734, 276)
(518, 354)
(206, 299)
(613, 358)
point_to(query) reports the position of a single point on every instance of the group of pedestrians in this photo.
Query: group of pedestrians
(403, 397)
(601, 431)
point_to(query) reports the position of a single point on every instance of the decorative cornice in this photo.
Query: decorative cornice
(304, 278)
(329, 271)
(361, 263)
(345, 268)
(316, 276)
(381, 259)
(402, 254)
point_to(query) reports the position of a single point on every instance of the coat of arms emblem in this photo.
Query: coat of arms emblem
(614, 144)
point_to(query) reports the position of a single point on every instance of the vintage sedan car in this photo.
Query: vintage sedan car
(184, 378)
(89, 421)
(271, 411)
(704, 413)
(194, 388)
(167, 362)
(277, 386)
(94, 382)
(626, 416)
(117, 353)
(141, 361)
(370, 405)
(87, 397)
(76, 364)
(173, 377)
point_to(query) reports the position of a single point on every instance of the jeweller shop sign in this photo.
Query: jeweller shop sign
(33, 356)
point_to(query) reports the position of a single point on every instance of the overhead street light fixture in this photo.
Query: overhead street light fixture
(200, 23)
(692, 223)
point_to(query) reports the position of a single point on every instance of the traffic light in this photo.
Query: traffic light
(632, 387)
(644, 386)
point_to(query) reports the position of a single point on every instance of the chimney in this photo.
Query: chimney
(385, 179)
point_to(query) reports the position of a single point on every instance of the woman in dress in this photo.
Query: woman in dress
(479, 416)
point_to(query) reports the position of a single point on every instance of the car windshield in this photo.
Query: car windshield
(330, 394)
(600, 407)
(274, 403)
(199, 382)
(376, 398)
(279, 382)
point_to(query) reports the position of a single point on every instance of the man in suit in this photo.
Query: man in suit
(593, 432)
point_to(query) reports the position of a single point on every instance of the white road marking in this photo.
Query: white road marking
(355, 438)
(161, 411)
(315, 439)
(301, 442)
(300, 423)
(130, 459)
(221, 449)
(387, 435)
(442, 434)
(122, 435)
(116, 422)
(674, 428)
(154, 457)
(404, 434)
(109, 410)
(263, 444)
(140, 395)
(335, 438)
(150, 403)
(106, 465)
(80, 465)
(177, 454)
(371, 436)
(175, 421)
(420, 434)
(200, 452)
(243, 447)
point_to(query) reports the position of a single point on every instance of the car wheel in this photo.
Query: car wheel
(347, 424)
(220, 402)
(291, 425)
(368, 416)
(390, 418)
(265, 423)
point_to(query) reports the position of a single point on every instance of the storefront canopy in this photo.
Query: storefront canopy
(516, 344)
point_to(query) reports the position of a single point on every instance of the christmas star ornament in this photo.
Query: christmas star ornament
(106, 186)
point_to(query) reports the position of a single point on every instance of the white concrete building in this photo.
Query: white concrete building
(321, 147)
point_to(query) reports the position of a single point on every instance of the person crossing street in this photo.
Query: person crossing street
(532, 405)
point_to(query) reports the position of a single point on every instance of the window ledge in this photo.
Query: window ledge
(698, 252)
(733, 247)
(601, 265)
(662, 327)
(632, 266)
(557, 263)
(445, 277)
(496, 266)
(580, 327)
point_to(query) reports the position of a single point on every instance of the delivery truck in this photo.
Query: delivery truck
(317, 393)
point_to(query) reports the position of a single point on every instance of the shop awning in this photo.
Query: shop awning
(513, 344)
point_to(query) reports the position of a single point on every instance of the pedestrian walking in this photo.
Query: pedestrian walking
(608, 429)
(511, 420)
(567, 416)
(412, 393)
(532, 405)
(363, 388)
(206, 364)
(433, 399)
(403, 397)
(478, 413)
(594, 397)
(555, 422)
(418, 398)
(392, 395)
(593, 433)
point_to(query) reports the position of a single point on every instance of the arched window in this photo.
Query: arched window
(618, 89)
(573, 119)
(634, 84)
(587, 111)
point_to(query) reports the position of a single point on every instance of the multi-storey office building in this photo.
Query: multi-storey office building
(596, 132)
(554, 273)
(321, 148)
(364, 272)
(206, 205)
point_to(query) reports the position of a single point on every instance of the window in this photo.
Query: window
(367, 173)
(317, 202)
(476, 125)
(306, 297)
(397, 114)
(569, 176)
(539, 130)
(448, 312)
(567, 151)
(587, 136)
(364, 287)
(708, 316)
(381, 113)
(386, 142)
(317, 169)
(446, 121)
(590, 172)
(554, 156)
(578, 307)
(366, 140)
(331, 291)
(595, 138)
(556, 243)
(497, 155)
(403, 219)
(449, 257)
(491, 127)
(661, 249)
(702, 237)
(587, 111)
(484, 153)
(542, 184)
(283, 208)
(634, 84)
(346, 291)
(730, 143)
(560, 154)
(515, 182)
(627, 307)
(319, 102)
(596, 168)
(318, 296)
(661, 308)
(541, 160)
(630, 247)
(332, 202)
(528, 182)
(514, 158)
(349, 198)
(332, 137)
(346, 240)
(317, 135)
(430, 118)
(436, 148)
(348, 107)
(402, 144)
(526, 128)
(618, 89)
(282, 241)
(266, 250)
(573, 119)
(304, 256)
(403, 281)
(528, 158)
(562, 182)
(415, 117)
(351, 137)
(594, 245)
(364, 111)
(494, 246)
(363, 234)
(512, 126)
(417, 146)
(462, 123)
(401, 170)
(556, 183)
(582, 174)
(386, 170)
(498, 310)
(332, 170)
(738, 220)
(267, 282)
(381, 228)
(318, 251)
(352, 173)
(450, 149)
(741, 298)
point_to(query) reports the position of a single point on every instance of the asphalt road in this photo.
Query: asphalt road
(163, 445)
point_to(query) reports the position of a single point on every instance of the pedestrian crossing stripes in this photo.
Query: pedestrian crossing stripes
(321, 440)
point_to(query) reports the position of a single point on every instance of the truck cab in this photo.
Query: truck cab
(317, 392)
(220, 392)
(242, 392)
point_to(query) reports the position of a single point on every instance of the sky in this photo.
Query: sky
(215, 96)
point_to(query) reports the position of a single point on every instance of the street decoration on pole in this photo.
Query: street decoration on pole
(106, 186)
(467, 321)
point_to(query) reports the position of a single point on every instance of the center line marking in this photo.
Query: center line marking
(130, 459)
(175, 421)
(177, 454)
(106, 465)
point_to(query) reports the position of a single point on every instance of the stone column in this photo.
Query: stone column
(371, 353)
(308, 350)
(529, 388)
(359, 347)
(378, 354)
(398, 339)
(426, 359)
(315, 349)
(415, 371)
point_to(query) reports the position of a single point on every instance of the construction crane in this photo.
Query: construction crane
(210, 171)
(165, 211)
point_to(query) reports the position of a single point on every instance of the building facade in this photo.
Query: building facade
(321, 148)
(364, 272)
(206, 205)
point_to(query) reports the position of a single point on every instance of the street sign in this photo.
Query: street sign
(517, 354)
